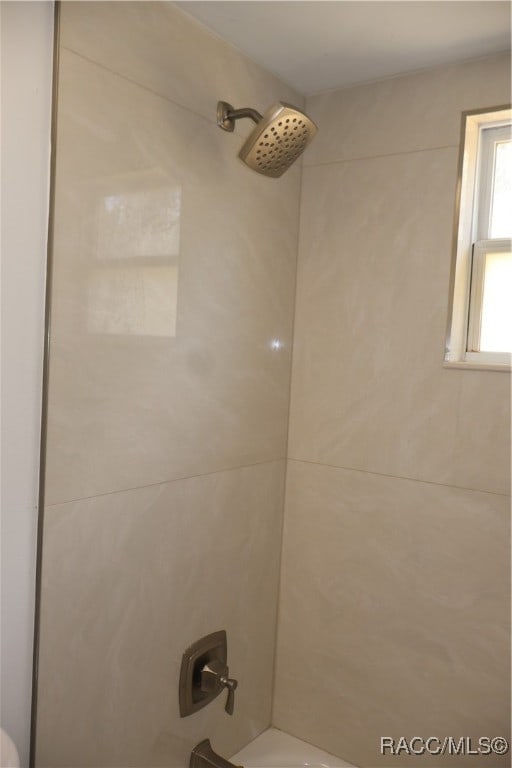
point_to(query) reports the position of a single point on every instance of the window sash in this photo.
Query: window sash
(480, 251)
(488, 139)
(467, 232)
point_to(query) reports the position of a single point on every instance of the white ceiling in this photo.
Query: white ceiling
(324, 44)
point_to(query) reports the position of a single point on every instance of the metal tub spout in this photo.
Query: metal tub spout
(203, 756)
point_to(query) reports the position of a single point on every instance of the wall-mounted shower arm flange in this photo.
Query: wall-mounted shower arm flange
(227, 115)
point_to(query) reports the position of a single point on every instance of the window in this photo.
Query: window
(480, 327)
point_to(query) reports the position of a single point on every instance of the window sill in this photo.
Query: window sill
(463, 365)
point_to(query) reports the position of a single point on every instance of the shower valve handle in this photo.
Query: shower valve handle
(214, 675)
(231, 685)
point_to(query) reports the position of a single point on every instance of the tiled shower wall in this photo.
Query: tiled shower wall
(169, 383)
(395, 599)
(168, 411)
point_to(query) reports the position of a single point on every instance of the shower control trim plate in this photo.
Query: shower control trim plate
(204, 674)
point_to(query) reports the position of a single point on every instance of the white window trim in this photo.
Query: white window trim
(466, 230)
(498, 131)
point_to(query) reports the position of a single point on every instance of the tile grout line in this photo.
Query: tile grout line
(128, 79)
(398, 477)
(148, 90)
(324, 163)
(166, 482)
(288, 422)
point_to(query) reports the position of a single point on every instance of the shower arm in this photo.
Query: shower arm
(227, 115)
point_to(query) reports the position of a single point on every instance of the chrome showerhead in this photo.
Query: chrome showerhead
(277, 140)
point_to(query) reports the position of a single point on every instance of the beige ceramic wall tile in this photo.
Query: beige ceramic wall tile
(402, 114)
(482, 453)
(394, 613)
(173, 291)
(162, 48)
(369, 390)
(129, 581)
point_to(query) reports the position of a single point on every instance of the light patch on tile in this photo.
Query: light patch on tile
(172, 297)
(132, 286)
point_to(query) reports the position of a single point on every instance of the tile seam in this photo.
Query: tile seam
(399, 477)
(148, 89)
(130, 80)
(223, 470)
(323, 163)
(288, 423)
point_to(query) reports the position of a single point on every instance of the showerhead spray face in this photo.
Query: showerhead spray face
(277, 140)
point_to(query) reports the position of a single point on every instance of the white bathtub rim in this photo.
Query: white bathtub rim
(276, 749)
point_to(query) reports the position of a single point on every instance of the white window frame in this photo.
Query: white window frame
(480, 131)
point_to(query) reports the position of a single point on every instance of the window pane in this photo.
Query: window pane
(501, 218)
(496, 330)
